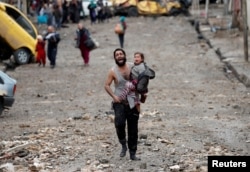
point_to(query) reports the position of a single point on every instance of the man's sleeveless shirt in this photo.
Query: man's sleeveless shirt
(119, 87)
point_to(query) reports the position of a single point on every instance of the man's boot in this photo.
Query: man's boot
(133, 157)
(124, 148)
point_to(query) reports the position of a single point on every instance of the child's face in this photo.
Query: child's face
(137, 59)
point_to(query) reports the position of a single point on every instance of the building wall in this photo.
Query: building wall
(248, 14)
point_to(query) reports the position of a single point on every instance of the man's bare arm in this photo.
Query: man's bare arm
(108, 82)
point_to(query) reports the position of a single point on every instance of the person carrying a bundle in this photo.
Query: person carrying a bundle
(82, 34)
(138, 84)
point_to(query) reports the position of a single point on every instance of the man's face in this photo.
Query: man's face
(50, 29)
(80, 26)
(120, 58)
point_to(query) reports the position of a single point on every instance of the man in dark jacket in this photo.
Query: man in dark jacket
(53, 39)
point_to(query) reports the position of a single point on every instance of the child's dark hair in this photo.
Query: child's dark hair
(141, 54)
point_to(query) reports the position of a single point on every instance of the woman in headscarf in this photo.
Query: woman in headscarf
(82, 35)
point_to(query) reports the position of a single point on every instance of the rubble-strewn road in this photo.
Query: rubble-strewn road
(62, 117)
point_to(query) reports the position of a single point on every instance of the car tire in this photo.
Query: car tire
(21, 56)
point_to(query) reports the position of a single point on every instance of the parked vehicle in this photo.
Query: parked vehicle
(134, 8)
(7, 91)
(18, 36)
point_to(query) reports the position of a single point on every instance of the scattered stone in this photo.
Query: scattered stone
(143, 136)
(24, 125)
(8, 167)
(77, 117)
(143, 166)
(175, 167)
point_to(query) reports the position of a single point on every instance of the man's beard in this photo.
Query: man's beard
(121, 63)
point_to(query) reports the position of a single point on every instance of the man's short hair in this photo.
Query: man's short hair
(119, 49)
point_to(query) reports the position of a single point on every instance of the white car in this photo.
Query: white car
(85, 4)
(7, 91)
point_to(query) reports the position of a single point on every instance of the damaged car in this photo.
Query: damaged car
(18, 36)
(134, 8)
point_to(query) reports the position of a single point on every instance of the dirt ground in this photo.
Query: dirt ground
(62, 116)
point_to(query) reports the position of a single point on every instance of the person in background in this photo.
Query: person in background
(119, 75)
(40, 49)
(82, 34)
(49, 13)
(53, 39)
(65, 7)
(57, 13)
(75, 8)
(92, 11)
(107, 12)
(122, 34)
(100, 11)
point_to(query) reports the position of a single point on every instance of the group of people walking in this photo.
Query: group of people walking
(99, 11)
(53, 38)
(61, 12)
(81, 35)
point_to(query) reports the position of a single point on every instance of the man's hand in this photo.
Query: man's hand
(116, 99)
